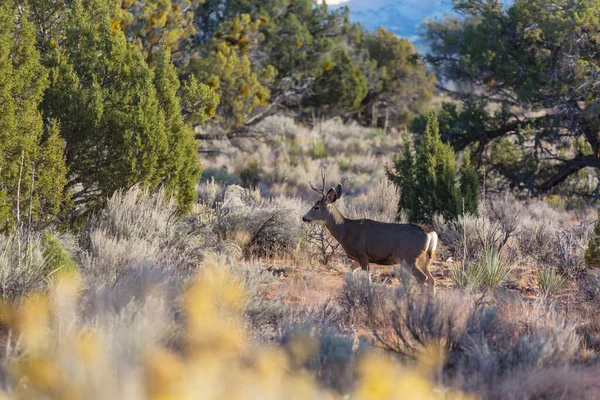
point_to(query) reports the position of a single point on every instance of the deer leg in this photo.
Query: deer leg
(363, 262)
(423, 272)
(418, 273)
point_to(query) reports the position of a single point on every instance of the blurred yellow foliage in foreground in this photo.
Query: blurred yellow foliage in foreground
(55, 355)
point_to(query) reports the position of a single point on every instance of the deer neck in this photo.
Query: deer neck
(336, 223)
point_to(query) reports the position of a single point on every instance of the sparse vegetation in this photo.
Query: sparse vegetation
(125, 274)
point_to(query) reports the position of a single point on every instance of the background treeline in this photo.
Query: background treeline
(97, 95)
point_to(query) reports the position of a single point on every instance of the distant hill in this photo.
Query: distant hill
(403, 17)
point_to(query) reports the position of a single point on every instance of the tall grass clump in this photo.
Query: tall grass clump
(550, 281)
(23, 267)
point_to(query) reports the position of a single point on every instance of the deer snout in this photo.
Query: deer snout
(304, 219)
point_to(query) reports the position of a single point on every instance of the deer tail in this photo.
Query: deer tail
(432, 242)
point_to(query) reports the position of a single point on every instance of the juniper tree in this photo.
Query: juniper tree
(180, 164)
(119, 128)
(31, 156)
(429, 184)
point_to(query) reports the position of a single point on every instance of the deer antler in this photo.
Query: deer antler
(320, 191)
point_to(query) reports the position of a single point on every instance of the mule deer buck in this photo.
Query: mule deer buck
(366, 241)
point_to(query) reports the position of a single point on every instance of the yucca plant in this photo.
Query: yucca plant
(468, 275)
(550, 281)
(489, 271)
(495, 270)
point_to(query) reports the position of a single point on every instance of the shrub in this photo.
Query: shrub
(378, 204)
(468, 275)
(138, 227)
(357, 292)
(23, 268)
(319, 243)
(592, 254)
(414, 319)
(318, 150)
(324, 351)
(250, 174)
(274, 225)
(495, 270)
(55, 254)
(571, 244)
(258, 309)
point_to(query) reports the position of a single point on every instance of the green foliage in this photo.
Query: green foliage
(550, 281)
(121, 121)
(31, 155)
(340, 86)
(402, 81)
(318, 150)
(150, 23)
(227, 69)
(428, 184)
(180, 165)
(469, 186)
(198, 101)
(516, 56)
(55, 255)
(404, 178)
(488, 271)
(250, 174)
(592, 254)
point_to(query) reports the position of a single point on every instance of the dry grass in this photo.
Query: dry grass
(224, 303)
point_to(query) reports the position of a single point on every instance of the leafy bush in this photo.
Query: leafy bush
(55, 254)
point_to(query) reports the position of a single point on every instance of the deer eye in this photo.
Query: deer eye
(316, 207)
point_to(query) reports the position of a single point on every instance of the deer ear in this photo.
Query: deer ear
(331, 195)
(338, 190)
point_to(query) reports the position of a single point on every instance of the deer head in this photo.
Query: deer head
(320, 211)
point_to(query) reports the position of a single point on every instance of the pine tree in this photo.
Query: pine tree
(31, 163)
(469, 185)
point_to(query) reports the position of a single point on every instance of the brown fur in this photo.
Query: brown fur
(367, 241)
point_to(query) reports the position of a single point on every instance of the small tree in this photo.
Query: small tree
(429, 183)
